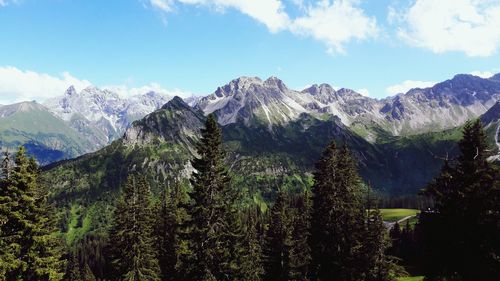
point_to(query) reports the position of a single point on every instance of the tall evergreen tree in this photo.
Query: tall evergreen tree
(375, 243)
(30, 251)
(462, 234)
(251, 259)
(211, 209)
(166, 227)
(300, 252)
(278, 240)
(337, 218)
(170, 231)
(133, 250)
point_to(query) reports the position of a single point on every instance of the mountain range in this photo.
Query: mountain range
(282, 128)
(273, 136)
(270, 102)
(94, 117)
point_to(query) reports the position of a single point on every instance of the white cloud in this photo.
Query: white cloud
(335, 23)
(364, 92)
(164, 5)
(268, 12)
(127, 91)
(468, 26)
(482, 74)
(18, 85)
(407, 85)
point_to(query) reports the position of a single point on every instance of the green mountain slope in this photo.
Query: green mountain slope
(45, 136)
(161, 145)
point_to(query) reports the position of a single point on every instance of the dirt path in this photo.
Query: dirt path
(390, 225)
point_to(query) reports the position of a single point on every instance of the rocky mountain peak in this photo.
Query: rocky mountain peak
(320, 89)
(71, 91)
(245, 82)
(275, 82)
(175, 103)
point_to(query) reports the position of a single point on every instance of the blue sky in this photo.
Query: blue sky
(378, 47)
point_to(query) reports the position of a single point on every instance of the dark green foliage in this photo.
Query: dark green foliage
(166, 235)
(300, 252)
(211, 210)
(461, 234)
(337, 220)
(131, 238)
(278, 240)
(375, 243)
(251, 259)
(347, 242)
(30, 250)
(287, 254)
(87, 274)
(91, 251)
(76, 272)
(73, 272)
(170, 231)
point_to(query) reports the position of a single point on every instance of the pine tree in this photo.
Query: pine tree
(278, 240)
(300, 252)
(132, 241)
(462, 235)
(166, 234)
(211, 209)
(337, 218)
(87, 274)
(170, 221)
(395, 235)
(375, 243)
(235, 239)
(74, 272)
(30, 251)
(251, 260)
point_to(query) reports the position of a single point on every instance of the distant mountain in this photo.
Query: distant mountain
(445, 105)
(102, 115)
(97, 117)
(44, 135)
(270, 102)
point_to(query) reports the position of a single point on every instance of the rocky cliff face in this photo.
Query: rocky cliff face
(270, 102)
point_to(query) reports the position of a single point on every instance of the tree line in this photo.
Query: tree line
(203, 231)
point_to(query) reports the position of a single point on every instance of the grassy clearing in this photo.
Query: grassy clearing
(392, 215)
(411, 278)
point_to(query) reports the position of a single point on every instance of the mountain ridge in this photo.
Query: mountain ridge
(443, 106)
